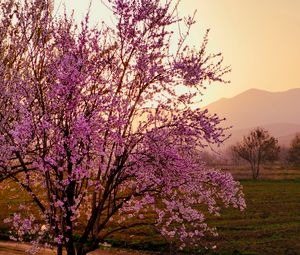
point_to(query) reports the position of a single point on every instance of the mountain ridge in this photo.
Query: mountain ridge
(278, 112)
(251, 90)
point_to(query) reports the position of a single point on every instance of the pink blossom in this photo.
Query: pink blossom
(93, 129)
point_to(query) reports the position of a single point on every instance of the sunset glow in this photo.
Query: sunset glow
(149, 127)
(259, 40)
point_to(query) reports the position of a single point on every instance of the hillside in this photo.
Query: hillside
(278, 112)
(284, 132)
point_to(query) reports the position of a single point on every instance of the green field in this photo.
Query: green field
(269, 225)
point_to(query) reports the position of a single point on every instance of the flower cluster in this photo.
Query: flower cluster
(93, 129)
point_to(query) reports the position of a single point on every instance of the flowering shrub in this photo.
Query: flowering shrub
(91, 126)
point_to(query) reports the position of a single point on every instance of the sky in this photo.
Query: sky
(259, 39)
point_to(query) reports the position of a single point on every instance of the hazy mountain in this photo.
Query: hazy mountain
(284, 132)
(279, 112)
(286, 140)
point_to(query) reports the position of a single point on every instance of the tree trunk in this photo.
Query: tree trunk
(254, 177)
(257, 173)
(83, 250)
(70, 248)
(59, 249)
(257, 170)
(80, 250)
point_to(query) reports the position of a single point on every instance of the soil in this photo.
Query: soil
(15, 248)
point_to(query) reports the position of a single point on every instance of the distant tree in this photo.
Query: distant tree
(257, 148)
(283, 155)
(233, 157)
(293, 156)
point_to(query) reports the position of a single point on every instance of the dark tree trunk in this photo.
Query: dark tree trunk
(80, 250)
(70, 248)
(59, 249)
(83, 250)
(254, 177)
(255, 170)
(69, 233)
(257, 173)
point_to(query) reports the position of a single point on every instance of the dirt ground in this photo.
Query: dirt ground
(13, 248)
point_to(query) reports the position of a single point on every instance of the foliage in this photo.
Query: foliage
(257, 148)
(294, 151)
(92, 117)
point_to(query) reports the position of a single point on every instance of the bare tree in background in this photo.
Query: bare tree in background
(293, 156)
(257, 148)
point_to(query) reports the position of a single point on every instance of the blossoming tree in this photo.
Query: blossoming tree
(94, 128)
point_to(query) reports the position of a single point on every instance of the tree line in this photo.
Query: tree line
(259, 147)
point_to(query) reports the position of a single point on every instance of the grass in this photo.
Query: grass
(10, 200)
(269, 225)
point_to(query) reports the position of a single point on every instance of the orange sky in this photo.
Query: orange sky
(260, 39)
